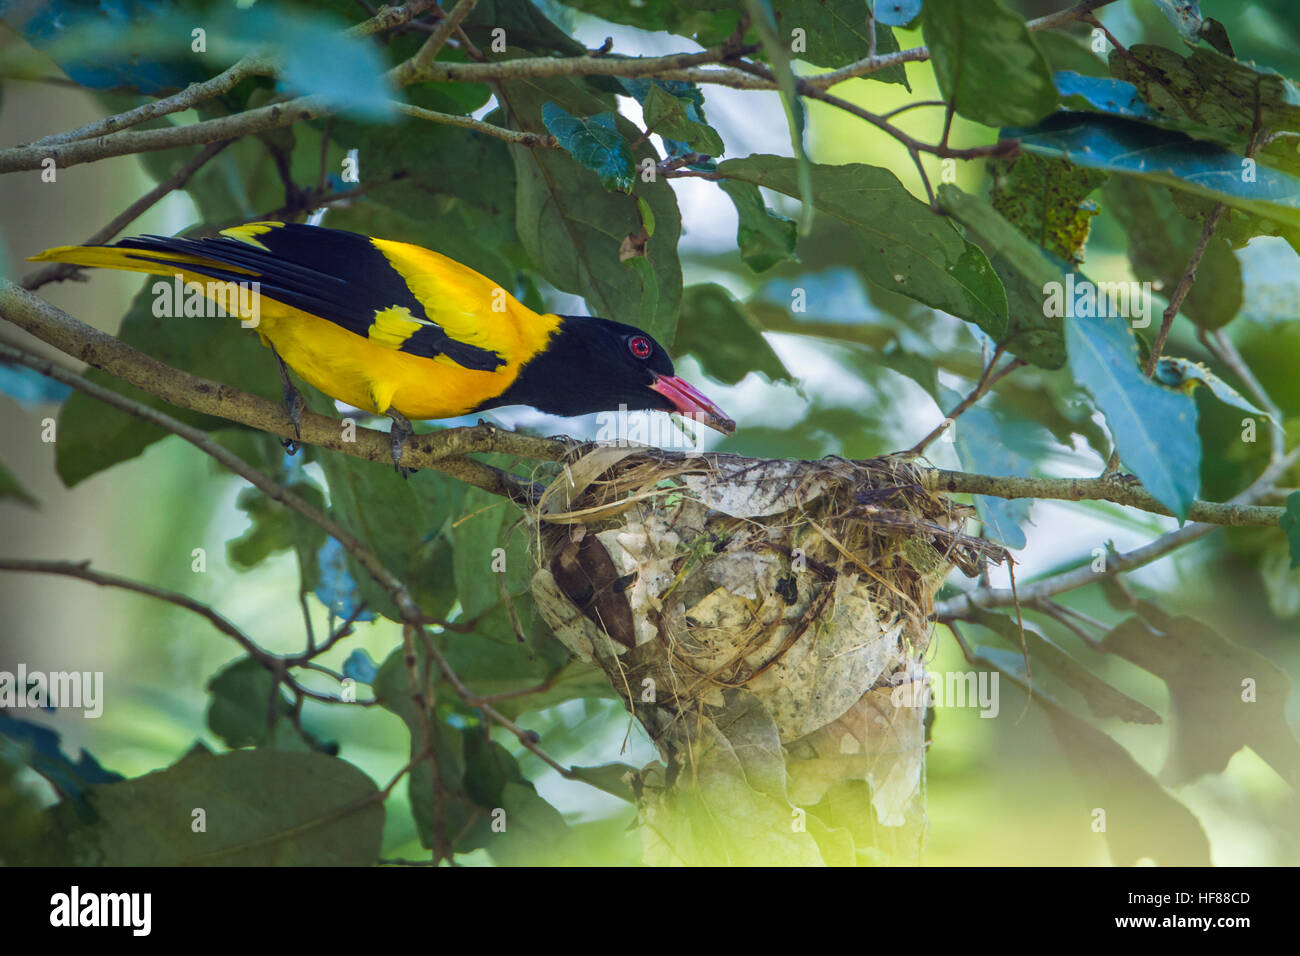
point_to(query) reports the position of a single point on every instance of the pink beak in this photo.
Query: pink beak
(691, 402)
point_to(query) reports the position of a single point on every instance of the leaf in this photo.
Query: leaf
(572, 228)
(980, 46)
(1103, 699)
(724, 338)
(1222, 696)
(39, 748)
(12, 489)
(402, 522)
(1046, 200)
(763, 18)
(30, 387)
(337, 589)
(1025, 274)
(608, 777)
(1154, 428)
(897, 13)
(524, 24)
(1103, 94)
(240, 710)
(836, 32)
(1143, 820)
(765, 238)
(360, 667)
(1290, 523)
(670, 116)
(982, 447)
(273, 527)
(1184, 374)
(1164, 157)
(906, 247)
(1186, 17)
(261, 808)
(489, 543)
(595, 142)
(1160, 244)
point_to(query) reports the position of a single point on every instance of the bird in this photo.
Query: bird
(395, 329)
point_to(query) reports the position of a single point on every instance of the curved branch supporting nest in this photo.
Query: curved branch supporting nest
(759, 617)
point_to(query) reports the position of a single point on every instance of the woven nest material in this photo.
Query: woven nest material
(729, 599)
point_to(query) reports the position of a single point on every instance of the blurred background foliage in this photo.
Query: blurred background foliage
(859, 372)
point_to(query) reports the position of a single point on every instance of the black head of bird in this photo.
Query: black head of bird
(595, 365)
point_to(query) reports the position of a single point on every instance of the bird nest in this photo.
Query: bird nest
(757, 617)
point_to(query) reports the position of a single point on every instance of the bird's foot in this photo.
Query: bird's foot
(398, 433)
(294, 402)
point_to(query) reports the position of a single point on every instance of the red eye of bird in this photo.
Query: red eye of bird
(640, 346)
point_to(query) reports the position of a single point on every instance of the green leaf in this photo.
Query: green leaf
(489, 541)
(261, 808)
(774, 47)
(608, 777)
(1142, 819)
(987, 63)
(906, 247)
(724, 337)
(274, 528)
(11, 488)
(765, 238)
(1222, 696)
(1046, 200)
(572, 228)
(1103, 699)
(243, 695)
(595, 142)
(1291, 525)
(1025, 272)
(1160, 244)
(524, 24)
(668, 116)
(836, 32)
(1154, 428)
(1167, 158)
(1184, 374)
(402, 522)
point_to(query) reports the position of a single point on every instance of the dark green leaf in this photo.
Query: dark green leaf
(765, 238)
(595, 142)
(1291, 525)
(1222, 696)
(987, 63)
(724, 337)
(668, 116)
(240, 710)
(261, 808)
(1160, 244)
(906, 247)
(1025, 273)
(836, 32)
(608, 777)
(572, 228)
(1103, 699)
(1143, 821)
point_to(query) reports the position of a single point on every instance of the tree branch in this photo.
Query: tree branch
(441, 451)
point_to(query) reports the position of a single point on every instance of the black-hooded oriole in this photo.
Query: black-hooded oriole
(397, 329)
